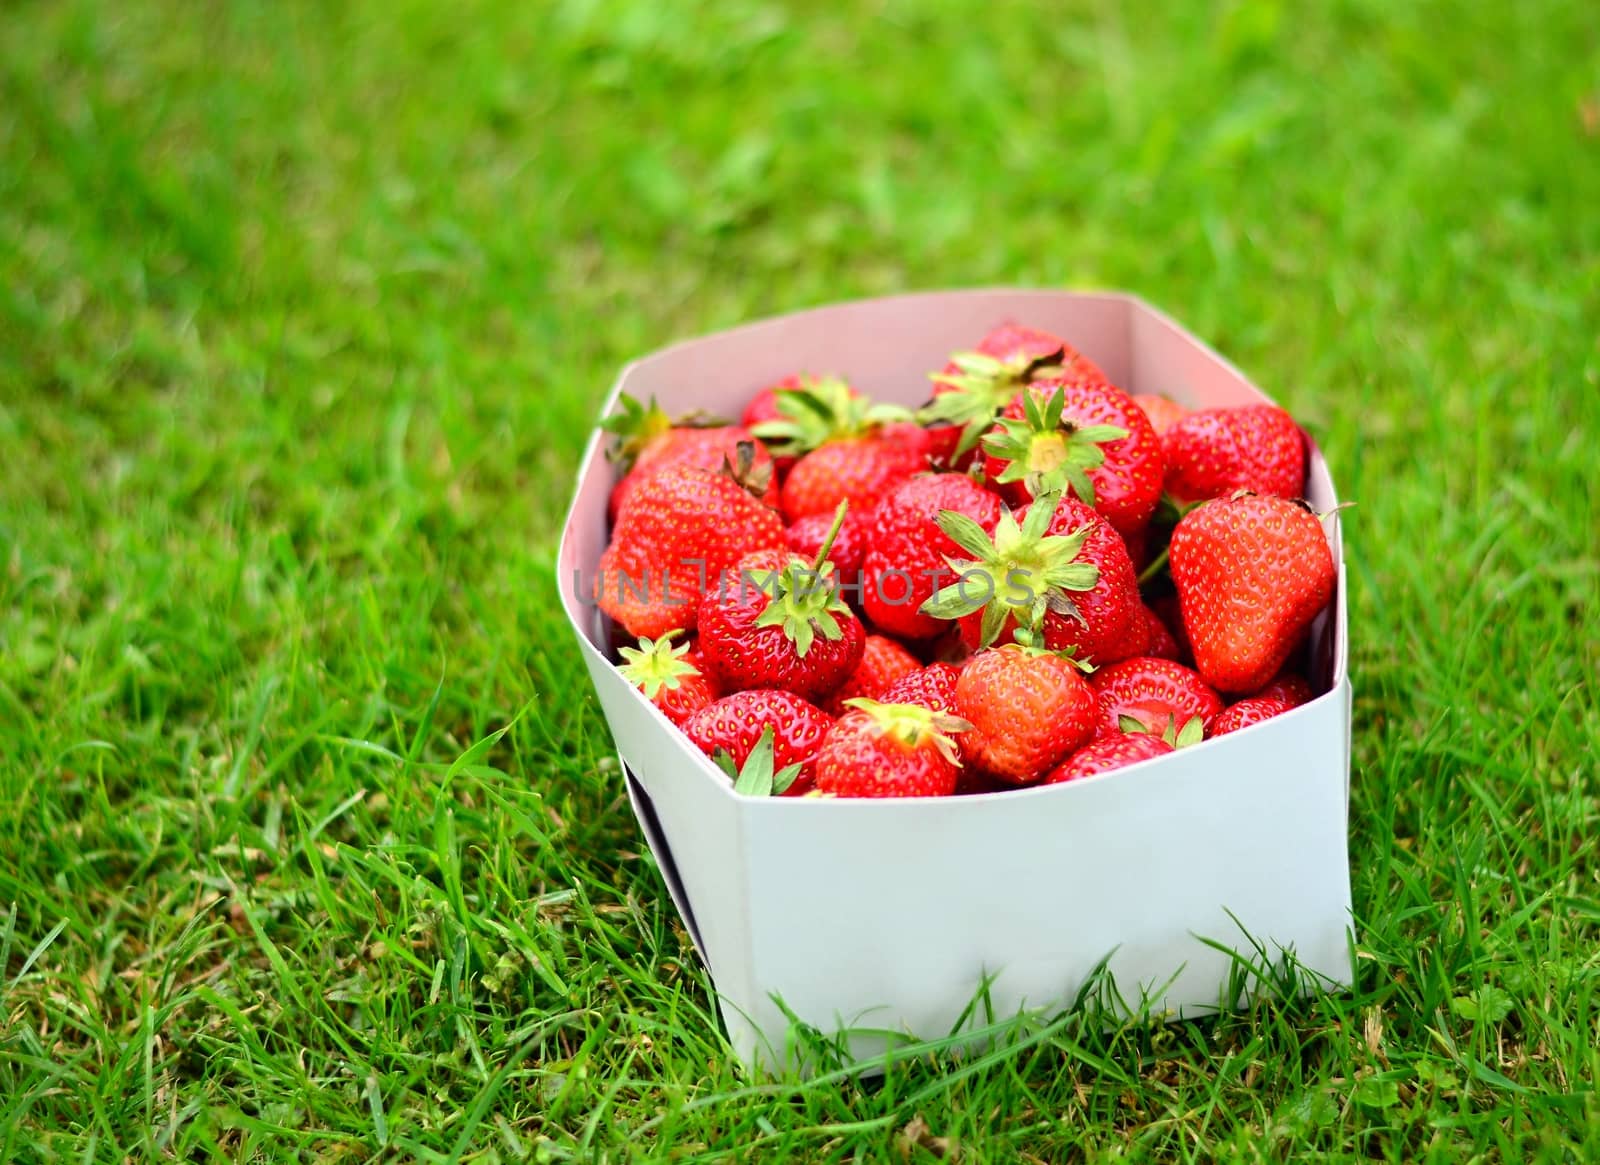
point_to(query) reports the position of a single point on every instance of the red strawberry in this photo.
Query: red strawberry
(1163, 413)
(1290, 687)
(1245, 713)
(1252, 572)
(1063, 569)
(780, 623)
(648, 441)
(1157, 693)
(703, 449)
(857, 470)
(907, 549)
(849, 546)
(734, 725)
(932, 687)
(671, 676)
(1028, 709)
(1081, 436)
(1215, 452)
(1160, 642)
(845, 452)
(890, 750)
(883, 661)
(1166, 607)
(680, 530)
(975, 386)
(1106, 753)
(763, 408)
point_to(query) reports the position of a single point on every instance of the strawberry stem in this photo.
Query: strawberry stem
(1157, 565)
(833, 532)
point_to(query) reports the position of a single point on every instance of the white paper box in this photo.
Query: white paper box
(888, 914)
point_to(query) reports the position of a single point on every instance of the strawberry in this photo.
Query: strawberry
(763, 409)
(1063, 570)
(1163, 413)
(734, 725)
(1245, 713)
(806, 536)
(856, 470)
(890, 750)
(671, 676)
(1157, 694)
(679, 530)
(1028, 709)
(1159, 642)
(1252, 573)
(883, 661)
(647, 441)
(907, 549)
(1105, 753)
(975, 386)
(1166, 608)
(1290, 687)
(703, 449)
(1214, 452)
(843, 450)
(781, 624)
(932, 687)
(1081, 436)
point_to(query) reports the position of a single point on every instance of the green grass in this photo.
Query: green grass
(305, 311)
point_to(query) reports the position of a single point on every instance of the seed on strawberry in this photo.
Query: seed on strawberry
(780, 623)
(1063, 570)
(1028, 709)
(883, 661)
(1105, 753)
(933, 687)
(1252, 573)
(1079, 436)
(890, 750)
(734, 725)
(1156, 694)
(670, 675)
(1245, 713)
(1213, 453)
(679, 530)
(908, 551)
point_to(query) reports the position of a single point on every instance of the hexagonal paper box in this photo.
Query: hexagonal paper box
(888, 915)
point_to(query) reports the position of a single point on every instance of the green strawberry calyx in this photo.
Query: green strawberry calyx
(914, 726)
(744, 471)
(756, 778)
(981, 388)
(656, 664)
(822, 409)
(803, 597)
(636, 426)
(1192, 733)
(1020, 572)
(1049, 454)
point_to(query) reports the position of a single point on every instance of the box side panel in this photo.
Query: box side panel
(896, 927)
(886, 346)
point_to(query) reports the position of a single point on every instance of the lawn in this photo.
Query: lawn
(311, 841)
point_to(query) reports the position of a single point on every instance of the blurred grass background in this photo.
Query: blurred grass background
(305, 313)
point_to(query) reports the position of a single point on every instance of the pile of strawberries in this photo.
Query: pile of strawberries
(1032, 579)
